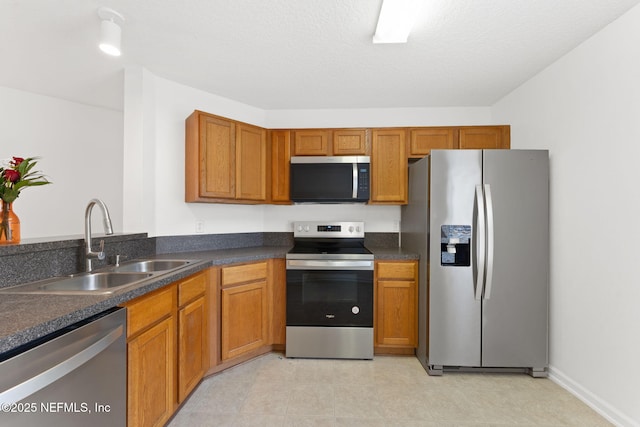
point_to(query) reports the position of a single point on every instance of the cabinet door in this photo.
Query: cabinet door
(213, 316)
(396, 313)
(389, 166)
(217, 166)
(313, 142)
(481, 137)
(244, 322)
(150, 370)
(423, 140)
(350, 142)
(280, 165)
(251, 163)
(278, 280)
(192, 343)
(396, 296)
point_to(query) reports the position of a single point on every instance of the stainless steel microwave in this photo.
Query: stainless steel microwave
(329, 179)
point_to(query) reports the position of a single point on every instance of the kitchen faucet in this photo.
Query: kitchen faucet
(108, 229)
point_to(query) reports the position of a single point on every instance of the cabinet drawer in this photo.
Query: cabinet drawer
(244, 273)
(147, 310)
(191, 288)
(396, 270)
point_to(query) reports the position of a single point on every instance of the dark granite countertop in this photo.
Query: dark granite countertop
(24, 318)
(392, 253)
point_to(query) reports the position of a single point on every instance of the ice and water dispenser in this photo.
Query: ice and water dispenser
(455, 245)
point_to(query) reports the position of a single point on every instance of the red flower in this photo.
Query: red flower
(16, 161)
(11, 175)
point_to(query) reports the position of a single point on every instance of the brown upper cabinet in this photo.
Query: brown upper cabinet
(311, 142)
(423, 140)
(351, 142)
(280, 160)
(251, 163)
(331, 142)
(478, 137)
(389, 166)
(225, 160)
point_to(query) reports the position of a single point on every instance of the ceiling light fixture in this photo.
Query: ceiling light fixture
(395, 20)
(110, 31)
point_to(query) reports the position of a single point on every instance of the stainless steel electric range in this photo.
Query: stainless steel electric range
(329, 292)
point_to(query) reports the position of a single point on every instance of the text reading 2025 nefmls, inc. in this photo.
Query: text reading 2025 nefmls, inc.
(56, 407)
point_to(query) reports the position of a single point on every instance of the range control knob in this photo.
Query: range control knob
(355, 309)
(351, 229)
(306, 228)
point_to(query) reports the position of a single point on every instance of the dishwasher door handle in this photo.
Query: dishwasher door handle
(55, 372)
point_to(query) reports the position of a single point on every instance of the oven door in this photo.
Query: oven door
(326, 296)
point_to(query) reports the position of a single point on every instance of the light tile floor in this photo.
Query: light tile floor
(388, 391)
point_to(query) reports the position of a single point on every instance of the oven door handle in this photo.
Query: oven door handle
(295, 264)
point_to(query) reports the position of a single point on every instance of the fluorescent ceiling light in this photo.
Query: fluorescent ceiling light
(395, 20)
(110, 31)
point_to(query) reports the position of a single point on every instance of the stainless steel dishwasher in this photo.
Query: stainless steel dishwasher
(76, 377)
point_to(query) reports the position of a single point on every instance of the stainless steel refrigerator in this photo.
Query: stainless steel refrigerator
(480, 221)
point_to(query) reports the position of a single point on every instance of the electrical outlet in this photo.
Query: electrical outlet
(199, 227)
(396, 226)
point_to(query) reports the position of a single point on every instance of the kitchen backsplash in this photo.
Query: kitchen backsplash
(35, 260)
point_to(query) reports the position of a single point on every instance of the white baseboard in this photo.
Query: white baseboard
(594, 402)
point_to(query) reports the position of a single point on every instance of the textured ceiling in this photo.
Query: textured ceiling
(295, 54)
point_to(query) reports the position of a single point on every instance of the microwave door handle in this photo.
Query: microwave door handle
(354, 193)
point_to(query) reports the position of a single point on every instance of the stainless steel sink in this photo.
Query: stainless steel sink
(99, 282)
(152, 265)
(85, 283)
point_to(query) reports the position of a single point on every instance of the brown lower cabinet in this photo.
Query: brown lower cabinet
(244, 318)
(167, 348)
(193, 334)
(248, 311)
(396, 307)
(226, 315)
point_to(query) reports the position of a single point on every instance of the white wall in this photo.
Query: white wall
(80, 147)
(379, 117)
(585, 108)
(155, 110)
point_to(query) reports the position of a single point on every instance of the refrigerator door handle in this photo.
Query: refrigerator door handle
(480, 243)
(490, 241)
